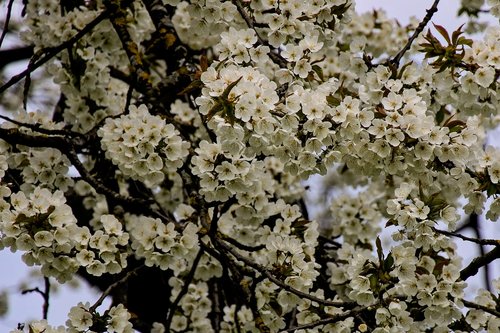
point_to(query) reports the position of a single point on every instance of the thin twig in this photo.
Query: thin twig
(261, 269)
(274, 56)
(494, 242)
(73, 157)
(479, 262)
(332, 319)
(7, 21)
(241, 246)
(113, 286)
(52, 52)
(45, 295)
(184, 290)
(39, 129)
(430, 12)
(481, 307)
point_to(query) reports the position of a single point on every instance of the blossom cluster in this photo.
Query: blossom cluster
(143, 146)
(278, 91)
(43, 226)
(161, 244)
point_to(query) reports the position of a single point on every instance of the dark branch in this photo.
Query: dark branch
(6, 24)
(71, 147)
(39, 129)
(49, 53)
(430, 12)
(329, 320)
(479, 262)
(45, 295)
(117, 12)
(15, 54)
(261, 269)
(493, 242)
(113, 286)
(481, 307)
(184, 290)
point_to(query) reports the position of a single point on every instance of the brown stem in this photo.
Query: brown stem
(45, 295)
(113, 286)
(479, 262)
(261, 269)
(184, 290)
(329, 320)
(276, 58)
(481, 307)
(494, 242)
(430, 12)
(49, 53)
(118, 17)
(6, 23)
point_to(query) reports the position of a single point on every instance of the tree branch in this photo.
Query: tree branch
(49, 53)
(494, 242)
(479, 262)
(45, 294)
(261, 269)
(113, 286)
(481, 307)
(277, 59)
(6, 23)
(184, 290)
(15, 54)
(329, 320)
(39, 129)
(70, 148)
(118, 18)
(430, 12)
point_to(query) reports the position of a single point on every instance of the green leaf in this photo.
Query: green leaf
(440, 116)
(230, 87)
(464, 41)
(373, 281)
(443, 32)
(332, 101)
(318, 71)
(380, 252)
(388, 263)
(195, 84)
(456, 34)
(402, 70)
(273, 303)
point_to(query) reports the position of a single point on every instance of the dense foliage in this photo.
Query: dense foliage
(159, 148)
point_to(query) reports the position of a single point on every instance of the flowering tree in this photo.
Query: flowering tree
(167, 167)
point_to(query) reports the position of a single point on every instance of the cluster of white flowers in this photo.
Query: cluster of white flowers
(40, 224)
(115, 320)
(143, 146)
(43, 226)
(200, 23)
(241, 317)
(480, 320)
(289, 89)
(46, 167)
(161, 244)
(355, 218)
(194, 307)
(49, 28)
